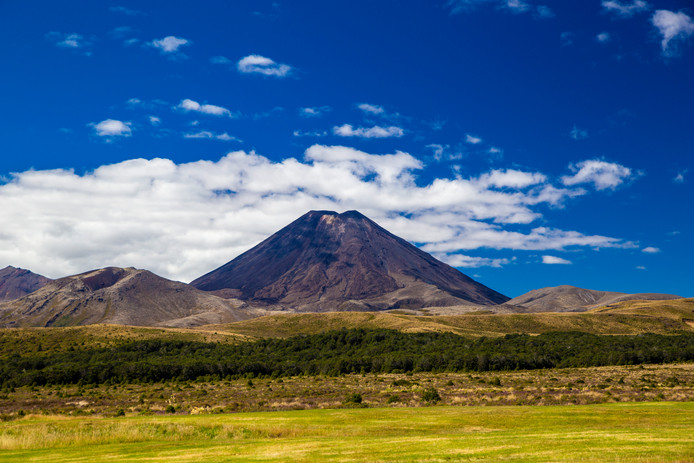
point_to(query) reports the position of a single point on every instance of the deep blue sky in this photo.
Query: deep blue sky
(588, 101)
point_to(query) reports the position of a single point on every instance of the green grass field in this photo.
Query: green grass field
(644, 432)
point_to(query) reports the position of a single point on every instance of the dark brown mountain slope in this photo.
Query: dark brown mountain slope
(567, 298)
(124, 296)
(325, 261)
(17, 282)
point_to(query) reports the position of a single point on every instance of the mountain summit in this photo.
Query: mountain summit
(327, 261)
(18, 282)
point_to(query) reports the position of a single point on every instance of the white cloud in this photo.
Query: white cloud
(169, 44)
(625, 9)
(211, 211)
(256, 64)
(220, 60)
(154, 120)
(603, 37)
(71, 41)
(126, 11)
(495, 150)
(567, 39)
(315, 133)
(516, 6)
(640, 267)
(601, 174)
(112, 128)
(461, 260)
(376, 131)
(472, 139)
(205, 134)
(675, 29)
(651, 250)
(190, 105)
(544, 12)
(679, 178)
(554, 260)
(315, 111)
(578, 134)
(370, 108)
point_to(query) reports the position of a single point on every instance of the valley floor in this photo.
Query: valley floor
(568, 386)
(618, 432)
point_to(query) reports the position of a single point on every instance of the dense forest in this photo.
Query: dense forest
(337, 353)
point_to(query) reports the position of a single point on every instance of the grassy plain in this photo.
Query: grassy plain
(635, 432)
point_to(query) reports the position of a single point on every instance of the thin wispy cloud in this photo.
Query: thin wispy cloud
(675, 29)
(679, 178)
(625, 9)
(220, 60)
(126, 11)
(70, 41)
(314, 111)
(205, 134)
(256, 64)
(188, 105)
(578, 134)
(651, 250)
(222, 208)
(513, 6)
(347, 130)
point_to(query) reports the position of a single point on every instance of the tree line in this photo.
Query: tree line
(336, 353)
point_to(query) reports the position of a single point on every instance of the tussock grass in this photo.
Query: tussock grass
(629, 318)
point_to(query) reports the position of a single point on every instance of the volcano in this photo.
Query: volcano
(325, 261)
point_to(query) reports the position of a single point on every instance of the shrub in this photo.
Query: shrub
(431, 395)
(354, 398)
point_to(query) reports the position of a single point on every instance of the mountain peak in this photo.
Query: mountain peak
(17, 282)
(326, 260)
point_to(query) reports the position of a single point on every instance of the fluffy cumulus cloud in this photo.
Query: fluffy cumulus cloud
(651, 250)
(347, 130)
(603, 175)
(182, 220)
(675, 28)
(190, 105)
(256, 64)
(625, 9)
(170, 44)
(112, 128)
(554, 260)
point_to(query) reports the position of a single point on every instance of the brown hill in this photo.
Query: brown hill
(18, 282)
(325, 261)
(567, 298)
(123, 296)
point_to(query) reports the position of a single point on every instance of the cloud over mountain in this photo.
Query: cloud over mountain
(179, 220)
